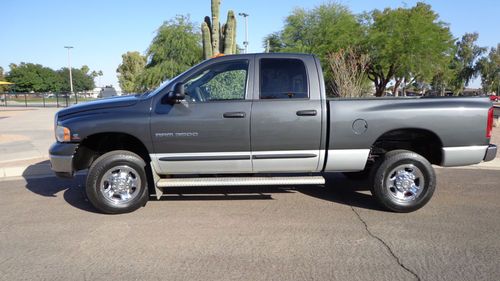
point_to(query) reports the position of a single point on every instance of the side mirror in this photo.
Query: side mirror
(178, 93)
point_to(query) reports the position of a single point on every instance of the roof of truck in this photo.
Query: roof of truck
(278, 55)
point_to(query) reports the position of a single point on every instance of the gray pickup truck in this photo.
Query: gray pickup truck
(264, 119)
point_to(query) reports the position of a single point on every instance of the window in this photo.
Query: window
(282, 79)
(222, 81)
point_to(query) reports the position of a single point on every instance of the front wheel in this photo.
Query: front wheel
(117, 182)
(404, 181)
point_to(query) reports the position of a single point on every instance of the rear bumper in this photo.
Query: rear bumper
(463, 155)
(491, 153)
(61, 159)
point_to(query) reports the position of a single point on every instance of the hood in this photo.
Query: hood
(113, 102)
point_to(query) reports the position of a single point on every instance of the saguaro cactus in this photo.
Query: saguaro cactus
(217, 39)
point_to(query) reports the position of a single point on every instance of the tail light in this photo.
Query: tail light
(489, 125)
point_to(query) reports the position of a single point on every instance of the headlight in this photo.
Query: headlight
(62, 134)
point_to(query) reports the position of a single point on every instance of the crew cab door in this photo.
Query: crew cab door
(286, 125)
(208, 131)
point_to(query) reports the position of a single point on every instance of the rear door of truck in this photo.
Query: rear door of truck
(286, 123)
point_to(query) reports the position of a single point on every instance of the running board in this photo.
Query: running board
(236, 181)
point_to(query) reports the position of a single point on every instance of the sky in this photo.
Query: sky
(102, 30)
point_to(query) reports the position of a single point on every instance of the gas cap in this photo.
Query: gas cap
(359, 126)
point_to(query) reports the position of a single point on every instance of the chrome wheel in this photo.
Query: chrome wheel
(120, 184)
(405, 183)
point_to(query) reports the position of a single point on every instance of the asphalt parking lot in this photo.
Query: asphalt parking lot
(335, 232)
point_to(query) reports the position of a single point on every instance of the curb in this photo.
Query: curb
(26, 171)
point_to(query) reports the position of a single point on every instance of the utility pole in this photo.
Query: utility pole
(245, 43)
(69, 68)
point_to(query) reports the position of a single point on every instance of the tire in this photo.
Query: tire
(117, 182)
(404, 181)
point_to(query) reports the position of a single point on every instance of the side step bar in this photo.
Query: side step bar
(235, 181)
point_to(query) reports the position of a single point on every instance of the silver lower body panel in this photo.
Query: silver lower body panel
(238, 162)
(463, 155)
(346, 160)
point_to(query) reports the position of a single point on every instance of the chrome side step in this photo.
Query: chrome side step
(236, 181)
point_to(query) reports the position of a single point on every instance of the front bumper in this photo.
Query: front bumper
(61, 159)
(491, 153)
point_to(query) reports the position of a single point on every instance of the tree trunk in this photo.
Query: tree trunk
(379, 90)
(404, 87)
(380, 80)
(396, 87)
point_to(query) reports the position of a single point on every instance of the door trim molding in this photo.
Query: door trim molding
(205, 158)
(281, 156)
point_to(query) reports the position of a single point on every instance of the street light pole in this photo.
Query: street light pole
(245, 43)
(69, 68)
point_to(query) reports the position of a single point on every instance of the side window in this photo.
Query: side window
(283, 79)
(222, 81)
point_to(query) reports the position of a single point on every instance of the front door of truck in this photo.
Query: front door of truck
(286, 115)
(209, 131)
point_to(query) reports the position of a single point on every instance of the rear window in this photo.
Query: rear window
(283, 79)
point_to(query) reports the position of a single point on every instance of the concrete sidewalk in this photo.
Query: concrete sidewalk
(25, 137)
(27, 133)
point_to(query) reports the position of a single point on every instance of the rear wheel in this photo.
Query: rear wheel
(117, 182)
(404, 181)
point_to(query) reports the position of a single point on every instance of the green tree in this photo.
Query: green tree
(85, 69)
(406, 44)
(81, 81)
(96, 74)
(465, 62)
(129, 71)
(325, 29)
(489, 68)
(442, 80)
(33, 77)
(175, 48)
(275, 42)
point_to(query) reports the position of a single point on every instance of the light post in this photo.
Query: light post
(70, 75)
(245, 43)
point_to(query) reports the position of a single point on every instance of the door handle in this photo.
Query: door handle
(234, 115)
(310, 112)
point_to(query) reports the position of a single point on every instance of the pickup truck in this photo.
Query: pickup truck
(264, 119)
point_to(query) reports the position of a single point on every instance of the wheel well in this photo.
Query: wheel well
(423, 142)
(96, 145)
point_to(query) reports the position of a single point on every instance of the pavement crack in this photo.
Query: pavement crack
(391, 252)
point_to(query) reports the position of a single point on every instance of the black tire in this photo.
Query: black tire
(413, 170)
(130, 167)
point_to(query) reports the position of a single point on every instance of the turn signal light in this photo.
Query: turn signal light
(63, 134)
